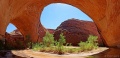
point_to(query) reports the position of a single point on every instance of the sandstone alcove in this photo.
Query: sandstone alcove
(25, 15)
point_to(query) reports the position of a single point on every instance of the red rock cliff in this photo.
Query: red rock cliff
(76, 30)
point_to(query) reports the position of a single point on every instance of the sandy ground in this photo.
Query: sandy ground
(35, 54)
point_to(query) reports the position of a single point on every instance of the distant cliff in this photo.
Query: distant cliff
(77, 30)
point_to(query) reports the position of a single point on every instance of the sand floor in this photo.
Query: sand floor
(35, 54)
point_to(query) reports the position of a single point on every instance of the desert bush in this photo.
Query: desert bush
(50, 45)
(28, 41)
(90, 44)
(60, 44)
(48, 39)
(37, 46)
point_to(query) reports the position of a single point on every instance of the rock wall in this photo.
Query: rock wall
(52, 31)
(25, 15)
(16, 39)
(76, 30)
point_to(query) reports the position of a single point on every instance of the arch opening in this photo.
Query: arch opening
(54, 14)
(13, 38)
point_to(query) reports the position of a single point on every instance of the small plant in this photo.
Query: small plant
(62, 40)
(37, 46)
(28, 41)
(90, 44)
(60, 44)
(48, 40)
(70, 50)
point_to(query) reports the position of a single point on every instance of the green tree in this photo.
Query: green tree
(60, 44)
(62, 40)
(48, 39)
(90, 44)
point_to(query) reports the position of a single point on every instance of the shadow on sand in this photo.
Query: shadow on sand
(110, 53)
(8, 54)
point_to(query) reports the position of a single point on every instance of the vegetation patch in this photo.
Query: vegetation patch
(61, 47)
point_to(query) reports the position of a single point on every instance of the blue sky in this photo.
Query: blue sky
(54, 14)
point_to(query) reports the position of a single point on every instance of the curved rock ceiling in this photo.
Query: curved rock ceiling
(25, 15)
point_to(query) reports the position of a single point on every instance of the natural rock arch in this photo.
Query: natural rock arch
(24, 14)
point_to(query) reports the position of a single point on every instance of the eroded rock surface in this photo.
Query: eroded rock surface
(76, 30)
(15, 39)
(51, 31)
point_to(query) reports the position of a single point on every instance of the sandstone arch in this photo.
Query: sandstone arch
(25, 15)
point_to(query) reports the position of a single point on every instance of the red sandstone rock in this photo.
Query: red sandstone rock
(77, 30)
(15, 32)
(51, 31)
(14, 39)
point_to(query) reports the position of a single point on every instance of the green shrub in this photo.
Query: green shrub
(28, 41)
(49, 45)
(62, 40)
(37, 46)
(72, 50)
(82, 45)
(93, 41)
(60, 44)
(48, 40)
(90, 44)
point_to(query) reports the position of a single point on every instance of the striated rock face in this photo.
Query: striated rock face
(77, 30)
(25, 15)
(15, 32)
(15, 39)
(51, 31)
